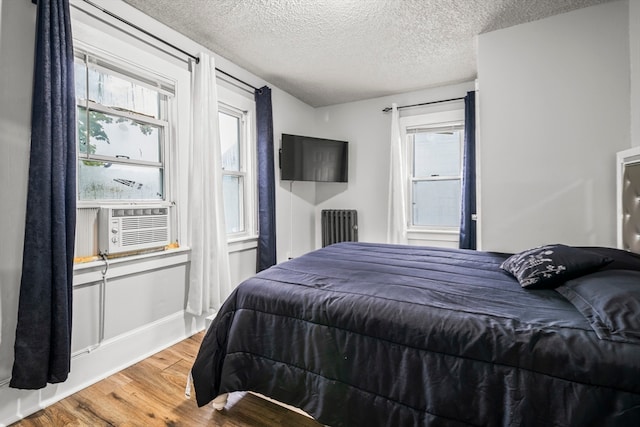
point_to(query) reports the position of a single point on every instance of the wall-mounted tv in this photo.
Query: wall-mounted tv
(303, 158)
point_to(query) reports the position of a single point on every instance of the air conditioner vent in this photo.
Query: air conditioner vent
(136, 223)
(133, 228)
(140, 237)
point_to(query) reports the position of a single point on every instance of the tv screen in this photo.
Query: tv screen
(303, 158)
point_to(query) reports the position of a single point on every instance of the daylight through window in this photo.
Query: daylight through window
(436, 176)
(122, 133)
(232, 141)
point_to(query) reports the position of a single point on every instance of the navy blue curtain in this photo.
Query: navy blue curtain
(43, 334)
(266, 181)
(467, 223)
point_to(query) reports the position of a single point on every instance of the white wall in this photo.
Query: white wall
(295, 202)
(368, 130)
(16, 46)
(554, 110)
(634, 53)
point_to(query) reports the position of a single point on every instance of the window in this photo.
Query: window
(434, 146)
(235, 113)
(122, 133)
(233, 175)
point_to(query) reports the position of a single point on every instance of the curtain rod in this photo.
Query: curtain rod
(386, 110)
(184, 52)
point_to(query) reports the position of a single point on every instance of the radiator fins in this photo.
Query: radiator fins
(339, 225)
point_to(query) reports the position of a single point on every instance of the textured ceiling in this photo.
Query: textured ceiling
(327, 52)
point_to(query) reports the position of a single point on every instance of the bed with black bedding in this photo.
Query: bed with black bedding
(359, 334)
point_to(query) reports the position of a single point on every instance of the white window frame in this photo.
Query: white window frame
(237, 104)
(111, 64)
(161, 72)
(434, 120)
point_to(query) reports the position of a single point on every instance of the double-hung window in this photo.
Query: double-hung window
(436, 176)
(235, 118)
(434, 152)
(123, 132)
(233, 173)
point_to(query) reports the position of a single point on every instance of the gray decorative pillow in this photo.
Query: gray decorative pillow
(610, 301)
(551, 265)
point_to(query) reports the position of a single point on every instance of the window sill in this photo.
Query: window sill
(419, 231)
(435, 234)
(244, 243)
(96, 204)
(91, 272)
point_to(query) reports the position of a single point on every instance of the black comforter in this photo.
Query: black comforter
(384, 335)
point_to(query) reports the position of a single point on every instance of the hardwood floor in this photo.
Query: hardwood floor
(151, 393)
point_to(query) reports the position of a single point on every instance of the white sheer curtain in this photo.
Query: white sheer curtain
(209, 279)
(397, 218)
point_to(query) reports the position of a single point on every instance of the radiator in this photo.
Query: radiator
(339, 225)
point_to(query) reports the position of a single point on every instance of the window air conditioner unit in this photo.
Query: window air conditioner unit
(132, 228)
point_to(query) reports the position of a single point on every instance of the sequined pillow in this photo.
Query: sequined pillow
(551, 265)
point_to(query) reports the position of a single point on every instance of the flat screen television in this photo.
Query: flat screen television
(303, 158)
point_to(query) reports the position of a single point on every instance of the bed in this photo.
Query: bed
(361, 334)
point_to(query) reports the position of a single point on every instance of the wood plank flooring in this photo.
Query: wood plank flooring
(151, 393)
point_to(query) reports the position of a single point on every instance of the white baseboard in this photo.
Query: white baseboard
(88, 368)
